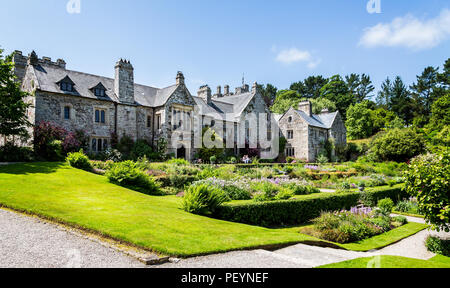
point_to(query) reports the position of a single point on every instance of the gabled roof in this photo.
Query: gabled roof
(228, 108)
(323, 120)
(48, 77)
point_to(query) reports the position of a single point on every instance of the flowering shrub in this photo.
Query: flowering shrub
(349, 226)
(234, 189)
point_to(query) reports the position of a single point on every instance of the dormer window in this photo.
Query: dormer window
(99, 90)
(66, 85)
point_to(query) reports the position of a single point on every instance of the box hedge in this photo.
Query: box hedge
(300, 210)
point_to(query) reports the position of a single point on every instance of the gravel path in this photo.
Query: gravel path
(32, 243)
(305, 256)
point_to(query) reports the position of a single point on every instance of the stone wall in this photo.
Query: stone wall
(50, 108)
(300, 129)
(316, 142)
(339, 131)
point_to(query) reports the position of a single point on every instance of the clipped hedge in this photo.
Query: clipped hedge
(301, 210)
(372, 195)
(278, 213)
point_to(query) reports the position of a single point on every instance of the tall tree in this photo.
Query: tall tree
(269, 93)
(310, 87)
(365, 88)
(425, 91)
(13, 118)
(337, 91)
(400, 101)
(384, 95)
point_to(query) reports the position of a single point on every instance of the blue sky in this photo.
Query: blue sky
(214, 42)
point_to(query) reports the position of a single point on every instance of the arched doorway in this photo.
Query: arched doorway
(181, 153)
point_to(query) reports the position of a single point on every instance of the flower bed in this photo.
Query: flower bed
(350, 226)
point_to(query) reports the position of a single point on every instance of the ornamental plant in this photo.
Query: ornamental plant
(427, 179)
(79, 160)
(202, 199)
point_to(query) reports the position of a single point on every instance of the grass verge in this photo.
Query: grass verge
(392, 262)
(88, 201)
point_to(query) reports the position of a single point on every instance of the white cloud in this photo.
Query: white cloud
(409, 32)
(294, 55)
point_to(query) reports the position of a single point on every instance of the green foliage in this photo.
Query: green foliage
(13, 118)
(178, 162)
(408, 206)
(401, 220)
(371, 196)
(276, 213)
(346, 227)
(301, 190)
(206, 153)
(427, 179)
(438, 246)
(386, 205)
(127, 174)
(79, 160)
(359, 121)
(397, 145)
(12, 153)
(202, 199)
(125, 146)
(140, 149)
(322, 159)
(440, 116)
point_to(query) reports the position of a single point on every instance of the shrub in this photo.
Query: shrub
(438, 246)
(400, 219)
(371, 196)
(284, 194)
(386, 205)
(397, 145)
(427, 180)
(407, 206)
(125, 146)
(301, 190)
(213, 159)
(347, 227)
(48, 141)
(178, 162)
(140, 149)
(12, 153)
(322, 159)
(202, 199)
(126, 174)
(112, 155)
(79, 160)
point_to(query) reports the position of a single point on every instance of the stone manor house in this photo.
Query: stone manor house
(103, 107)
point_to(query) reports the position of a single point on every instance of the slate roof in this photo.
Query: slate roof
(324, 120)
(229, 108)
(49, 75)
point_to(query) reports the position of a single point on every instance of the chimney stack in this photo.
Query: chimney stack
(205, 93)
(254, 88)
(306, 107)
(180, 78)
(226, 91)
(124, 81)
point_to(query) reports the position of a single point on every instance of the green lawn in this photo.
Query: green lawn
(392, 262)
(86, 200)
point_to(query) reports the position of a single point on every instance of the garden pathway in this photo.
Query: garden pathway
(30, 242)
